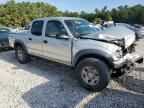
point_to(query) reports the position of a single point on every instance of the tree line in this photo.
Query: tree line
(19, 14)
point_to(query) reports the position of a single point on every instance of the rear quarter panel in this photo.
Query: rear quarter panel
(21, 35)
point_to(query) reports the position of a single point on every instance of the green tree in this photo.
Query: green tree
(19, 14)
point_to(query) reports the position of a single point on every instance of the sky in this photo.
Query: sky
(85, 5)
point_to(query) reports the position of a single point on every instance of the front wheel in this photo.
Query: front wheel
(93, 74)
(21, 55)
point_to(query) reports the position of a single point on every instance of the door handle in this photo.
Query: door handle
(30, 38)
(45, 41)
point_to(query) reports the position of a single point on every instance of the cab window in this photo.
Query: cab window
(37, 28)
(54, 28)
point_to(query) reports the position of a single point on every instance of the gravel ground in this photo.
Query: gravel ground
(44, 84)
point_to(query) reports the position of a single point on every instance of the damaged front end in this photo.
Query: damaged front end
(125, 58)
(119, 42)
(126, 64)
(128, 60)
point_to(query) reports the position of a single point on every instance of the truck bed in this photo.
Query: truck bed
(18, 35)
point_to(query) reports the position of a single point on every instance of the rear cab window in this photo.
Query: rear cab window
(37, 28)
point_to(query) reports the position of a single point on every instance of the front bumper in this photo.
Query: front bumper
(4, 44)
(128, 60)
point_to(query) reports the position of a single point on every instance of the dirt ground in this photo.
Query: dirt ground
(44, 84)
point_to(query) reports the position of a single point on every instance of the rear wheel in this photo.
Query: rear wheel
(21, 55)
(93, 74)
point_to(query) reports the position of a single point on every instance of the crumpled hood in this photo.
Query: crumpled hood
(115, 33)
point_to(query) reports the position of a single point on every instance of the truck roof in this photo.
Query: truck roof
(58, 18)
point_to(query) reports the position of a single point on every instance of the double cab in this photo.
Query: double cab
(95, 55)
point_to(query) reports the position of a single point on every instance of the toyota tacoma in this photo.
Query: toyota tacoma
(95, 55)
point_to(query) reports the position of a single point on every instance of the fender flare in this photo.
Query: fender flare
(87, 53)
(19, 42)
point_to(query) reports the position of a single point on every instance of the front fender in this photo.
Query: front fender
(88, 53)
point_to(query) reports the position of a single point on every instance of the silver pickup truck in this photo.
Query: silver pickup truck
(95, 55)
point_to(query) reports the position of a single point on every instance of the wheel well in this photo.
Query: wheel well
(94, 56)
(17, 44)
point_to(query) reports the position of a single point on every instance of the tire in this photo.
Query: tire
(100, 72)
(24, 58)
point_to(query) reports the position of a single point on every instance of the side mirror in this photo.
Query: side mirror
(62, 36)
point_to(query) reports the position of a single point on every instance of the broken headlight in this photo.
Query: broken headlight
(117, 54)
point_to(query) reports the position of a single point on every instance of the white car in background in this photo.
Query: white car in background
(138, 29)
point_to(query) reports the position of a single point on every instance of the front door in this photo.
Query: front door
(58, 49)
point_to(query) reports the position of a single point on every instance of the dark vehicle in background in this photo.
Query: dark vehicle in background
(4, 43)
(138, 29)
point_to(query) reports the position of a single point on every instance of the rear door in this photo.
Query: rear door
(34, 39)
(53, 48)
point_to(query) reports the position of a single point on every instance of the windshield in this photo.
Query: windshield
(80, 27)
